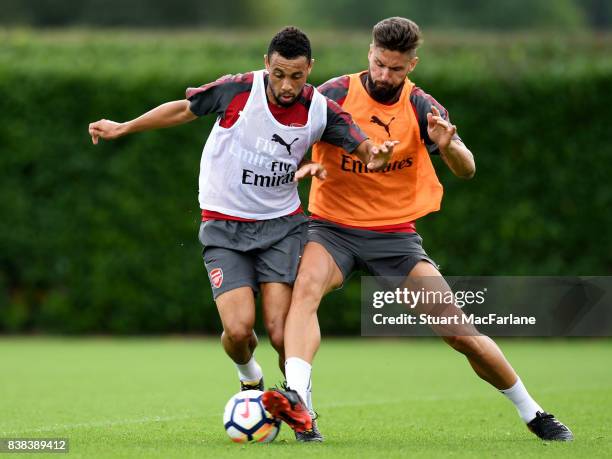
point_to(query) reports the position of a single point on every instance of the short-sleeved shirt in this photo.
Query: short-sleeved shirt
(228, 95)
(336, 89)
(338, 198)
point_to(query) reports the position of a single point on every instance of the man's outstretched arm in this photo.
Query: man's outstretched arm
(166, 115)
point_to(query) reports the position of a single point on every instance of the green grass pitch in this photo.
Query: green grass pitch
(377, 398)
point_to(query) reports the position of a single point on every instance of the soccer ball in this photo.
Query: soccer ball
(245, 419)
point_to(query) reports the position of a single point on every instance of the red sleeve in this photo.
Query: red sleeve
(340, 130)
(421, 105)
(336, 89)
(215, 97)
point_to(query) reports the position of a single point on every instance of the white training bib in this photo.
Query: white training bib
(247, 170)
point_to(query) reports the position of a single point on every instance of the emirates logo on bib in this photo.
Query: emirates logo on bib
(216, 277)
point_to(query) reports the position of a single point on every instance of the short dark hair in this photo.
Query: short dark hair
(397, 34)
(290, 43)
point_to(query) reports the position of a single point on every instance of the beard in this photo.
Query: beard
(381, 92)
(281, 102)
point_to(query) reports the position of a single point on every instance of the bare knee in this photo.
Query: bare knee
(308, 290)
(468, 345)
(276, 335)
(238, 333)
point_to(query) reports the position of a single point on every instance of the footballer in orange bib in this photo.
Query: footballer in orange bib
(353, 195)
(364, 219)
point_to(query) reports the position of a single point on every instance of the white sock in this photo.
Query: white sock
(298, 376)
(526, 406)
(309, 397)
(250, 371)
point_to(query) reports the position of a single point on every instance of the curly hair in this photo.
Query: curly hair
(290, 43)
(397, 34)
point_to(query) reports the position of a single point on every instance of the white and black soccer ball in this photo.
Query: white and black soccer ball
(245, 419)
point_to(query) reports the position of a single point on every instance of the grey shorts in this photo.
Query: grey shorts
(246, 254)
(380, 254)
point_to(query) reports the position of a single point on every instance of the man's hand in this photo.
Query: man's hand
(379, 155)
(454, 153)
(105, 129)
(310, 169)
(166, 115)
(440, 131)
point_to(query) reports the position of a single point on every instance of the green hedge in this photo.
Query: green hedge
(104, 239)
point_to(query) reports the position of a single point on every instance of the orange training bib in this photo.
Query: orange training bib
(405, 190)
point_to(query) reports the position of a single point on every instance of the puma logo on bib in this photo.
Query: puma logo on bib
(376, 120)
(277, 138)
